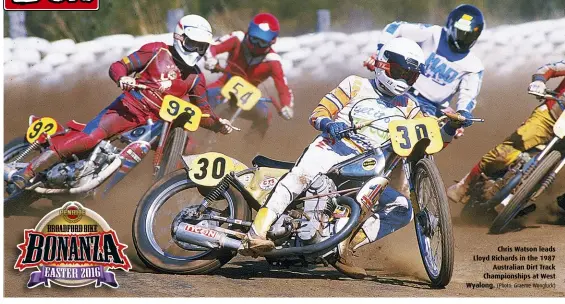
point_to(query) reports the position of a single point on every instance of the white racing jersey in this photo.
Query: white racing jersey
(446, 72)
(356, 100)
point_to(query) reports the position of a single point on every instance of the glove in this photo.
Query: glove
(165, 85)
(226, 127)
(462, 124)
(126, 83)
(287, 112)
(537, 88)
(334, 129)
(210, 63)
(370, 62)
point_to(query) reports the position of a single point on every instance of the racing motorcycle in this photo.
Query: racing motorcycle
(515, 191)
(82, 174)
(194, 220)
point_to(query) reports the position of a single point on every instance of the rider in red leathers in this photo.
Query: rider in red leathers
(251, 57)
(164, 68)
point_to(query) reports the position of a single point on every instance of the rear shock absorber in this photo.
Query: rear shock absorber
(217, 192)
(546, 183)
(28, 150)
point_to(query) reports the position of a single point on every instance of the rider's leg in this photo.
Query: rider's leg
(537, 130)
(214, 97)
(112, 120)
(318, 158)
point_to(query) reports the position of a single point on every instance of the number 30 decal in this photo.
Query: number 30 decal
(208, 169)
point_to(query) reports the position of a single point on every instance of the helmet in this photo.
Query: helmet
(261, 33)
(464, 25)
(192, 37)
(398, 65)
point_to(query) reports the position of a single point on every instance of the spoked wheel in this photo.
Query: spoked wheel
(172, 153)
(523, 192)
(433, 223)
(161, 206)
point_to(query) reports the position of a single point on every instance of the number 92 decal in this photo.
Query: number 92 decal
(46, 125)
(209, 169)
(173, 107)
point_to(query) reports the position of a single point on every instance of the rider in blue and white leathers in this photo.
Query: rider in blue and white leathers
(450, 66)
(356, 99)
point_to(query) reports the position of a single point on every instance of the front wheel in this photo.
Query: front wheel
(172, 153)
(153, 221)
(433, 223)
(523, 192)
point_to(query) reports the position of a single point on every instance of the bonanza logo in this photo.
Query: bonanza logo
(51, 5)
(72, 246)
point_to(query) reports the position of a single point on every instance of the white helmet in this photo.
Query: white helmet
(398, 65)
(193, 35)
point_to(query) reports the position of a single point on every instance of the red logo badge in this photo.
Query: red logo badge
(51, 5)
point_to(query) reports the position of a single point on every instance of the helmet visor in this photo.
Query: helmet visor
(258, 42)
(465, 39)
(190, 45)
(399, 67)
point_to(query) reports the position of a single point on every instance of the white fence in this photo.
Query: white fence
(503, 49)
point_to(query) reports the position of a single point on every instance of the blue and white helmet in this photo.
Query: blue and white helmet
(464, 26)
(192, 37)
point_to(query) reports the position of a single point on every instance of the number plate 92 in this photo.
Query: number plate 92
(173, 107)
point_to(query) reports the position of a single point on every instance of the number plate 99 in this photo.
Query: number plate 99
(45, 125)
(404, 134)
(173, 107)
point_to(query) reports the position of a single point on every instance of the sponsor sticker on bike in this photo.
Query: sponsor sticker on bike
(72, 246)
(369, 164)
(268, 183)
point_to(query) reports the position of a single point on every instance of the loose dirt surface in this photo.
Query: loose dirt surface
(394, 263)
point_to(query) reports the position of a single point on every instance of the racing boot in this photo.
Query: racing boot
(23, 177)
(459, 193)
(256, 241)
(561, 202)
(344, 260)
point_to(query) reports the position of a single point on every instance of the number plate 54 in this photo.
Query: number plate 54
(404, 134)
(45, 125)
(173, 107)
(247, 94)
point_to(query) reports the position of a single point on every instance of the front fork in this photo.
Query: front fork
(160, 146)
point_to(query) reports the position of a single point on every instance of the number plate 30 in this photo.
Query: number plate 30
(247, 94)
(173, 107)
(404, 134)
(209, 169)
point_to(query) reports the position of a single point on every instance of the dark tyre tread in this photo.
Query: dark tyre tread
(172, 153)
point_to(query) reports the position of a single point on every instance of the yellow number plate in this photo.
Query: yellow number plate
(44, 125)
(559, 127)
(173, 107)
(404, 134)
(208, 169)
(247, 94)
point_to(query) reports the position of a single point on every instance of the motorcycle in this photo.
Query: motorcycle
(85, 172)
(515, 192)
(194, 220)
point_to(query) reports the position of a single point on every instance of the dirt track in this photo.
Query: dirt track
(394, 263)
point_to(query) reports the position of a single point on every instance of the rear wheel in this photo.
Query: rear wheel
(153, 222)
(172, 153)
(433, 223)
(523, 192)
(12, 151)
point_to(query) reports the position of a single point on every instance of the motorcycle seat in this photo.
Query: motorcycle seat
(74, 125)
(262, 161)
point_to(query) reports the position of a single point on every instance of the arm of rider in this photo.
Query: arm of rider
(413, 31)
(544, 73)
(134, 62)
(127, 83)
(285, 93)
(335, 129)
(211, 63)
(469, 89)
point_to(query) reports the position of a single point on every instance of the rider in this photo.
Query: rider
(252, 57)
(172, 67)
(537, 130)
(398, 66)
(450, 66)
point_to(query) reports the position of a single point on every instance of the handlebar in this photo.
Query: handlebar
(549, 94)
(458, 117)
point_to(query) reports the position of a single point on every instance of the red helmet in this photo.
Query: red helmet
(262, 33)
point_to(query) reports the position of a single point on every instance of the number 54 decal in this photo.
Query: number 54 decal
(247, 94)
(208, 169)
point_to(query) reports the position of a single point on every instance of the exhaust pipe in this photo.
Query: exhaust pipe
(204, 237)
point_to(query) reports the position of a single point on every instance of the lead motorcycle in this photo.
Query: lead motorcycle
(82, 174)
(193, 220)
(516, 190)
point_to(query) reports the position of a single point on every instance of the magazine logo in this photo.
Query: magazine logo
(72, 246)
(51, 5)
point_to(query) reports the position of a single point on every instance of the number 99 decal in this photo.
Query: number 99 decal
(208, 169)
(46, 125)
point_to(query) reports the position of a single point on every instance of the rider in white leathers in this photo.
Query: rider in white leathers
(358, 99)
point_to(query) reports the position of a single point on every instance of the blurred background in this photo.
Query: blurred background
(142, 17)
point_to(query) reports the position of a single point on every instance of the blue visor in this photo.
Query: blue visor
(255, 31)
